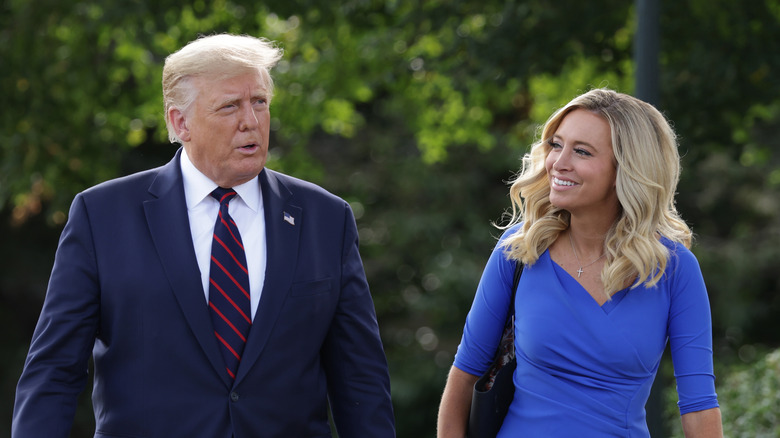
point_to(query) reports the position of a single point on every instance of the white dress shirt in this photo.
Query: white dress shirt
(246, 209)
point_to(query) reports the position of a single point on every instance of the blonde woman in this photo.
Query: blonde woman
(609, 279)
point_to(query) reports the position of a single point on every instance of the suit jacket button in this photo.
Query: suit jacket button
(234, 396)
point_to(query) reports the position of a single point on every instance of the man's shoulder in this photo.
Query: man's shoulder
(302, 188)
(138, 182)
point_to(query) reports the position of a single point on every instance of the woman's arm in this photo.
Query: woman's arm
(703, 424)
(690, 340)
(455, 404)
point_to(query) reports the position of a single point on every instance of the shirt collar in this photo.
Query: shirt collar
(198, 186)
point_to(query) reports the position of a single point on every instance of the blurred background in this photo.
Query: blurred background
(417, 113)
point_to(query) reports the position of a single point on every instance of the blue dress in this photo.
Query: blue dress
(586, 370)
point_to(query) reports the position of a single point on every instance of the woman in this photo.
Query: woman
(608, 278)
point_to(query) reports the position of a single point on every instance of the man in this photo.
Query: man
(239, 313)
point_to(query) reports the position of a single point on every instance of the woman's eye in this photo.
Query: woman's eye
(582, 152)
(554, 144)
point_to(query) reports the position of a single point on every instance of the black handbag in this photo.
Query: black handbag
(493, 391)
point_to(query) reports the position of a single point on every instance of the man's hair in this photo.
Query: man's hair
(647, 172)
(215, 56)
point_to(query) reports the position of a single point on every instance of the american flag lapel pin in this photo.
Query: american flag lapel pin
(289, 219)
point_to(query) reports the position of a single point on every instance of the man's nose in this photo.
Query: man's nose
(247, 119)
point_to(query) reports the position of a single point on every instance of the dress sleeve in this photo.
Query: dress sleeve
(489, 310)
(690, 334)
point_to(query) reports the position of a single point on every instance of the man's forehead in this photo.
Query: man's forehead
(233, 85)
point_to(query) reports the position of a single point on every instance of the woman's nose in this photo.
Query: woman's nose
(562, 161)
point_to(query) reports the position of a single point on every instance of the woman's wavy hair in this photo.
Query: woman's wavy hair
(648, 170)
(217, 56)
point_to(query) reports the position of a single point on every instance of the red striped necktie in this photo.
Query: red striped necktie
(228, 285)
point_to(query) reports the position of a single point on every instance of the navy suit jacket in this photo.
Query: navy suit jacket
(126, 289)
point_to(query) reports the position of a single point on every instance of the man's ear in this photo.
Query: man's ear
(179, 123)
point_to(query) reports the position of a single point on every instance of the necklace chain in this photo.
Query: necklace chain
(579, 271)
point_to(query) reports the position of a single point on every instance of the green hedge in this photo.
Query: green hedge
(749, 400)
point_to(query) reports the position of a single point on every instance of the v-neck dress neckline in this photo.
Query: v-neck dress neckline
(574, 287)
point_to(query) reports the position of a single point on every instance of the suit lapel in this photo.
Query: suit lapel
(283, 223)
(169, 226)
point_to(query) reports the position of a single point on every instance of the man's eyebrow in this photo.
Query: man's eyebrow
(228, 100)
(236, 98)
(261, 94)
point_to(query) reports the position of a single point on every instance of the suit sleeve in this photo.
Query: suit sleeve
(354, 359)
(55, 371)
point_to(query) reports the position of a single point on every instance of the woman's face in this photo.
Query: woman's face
(581, 165)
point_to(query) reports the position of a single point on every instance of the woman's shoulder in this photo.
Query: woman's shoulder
(681, 258)
(676, 248)
(510, 231)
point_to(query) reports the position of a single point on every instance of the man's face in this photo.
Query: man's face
(225, 131)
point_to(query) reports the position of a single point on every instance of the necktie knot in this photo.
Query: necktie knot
(223, 195)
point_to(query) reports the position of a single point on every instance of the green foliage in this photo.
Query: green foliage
(750, 400)
(416, 113)
(749, 397)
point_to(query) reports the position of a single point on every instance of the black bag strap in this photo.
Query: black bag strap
(505, 350)
(515, 282)
(509, 325)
